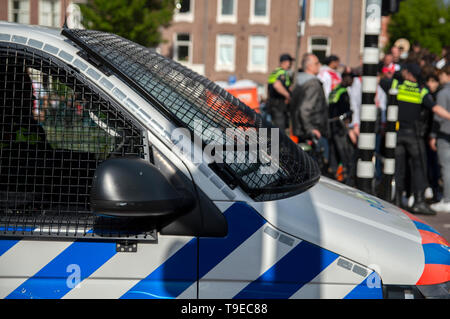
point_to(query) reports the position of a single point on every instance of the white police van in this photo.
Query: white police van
(102, 196)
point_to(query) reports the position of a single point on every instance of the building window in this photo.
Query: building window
(259, 11)
(225, 52)
(19, 11)
(182, 48)
(321, 12)
(258, 50)
(227, 11)
(320, 46)
(184, 11)
(50, 13)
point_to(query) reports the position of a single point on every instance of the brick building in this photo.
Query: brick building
(49, 13)
(240, 38)
(244, 38)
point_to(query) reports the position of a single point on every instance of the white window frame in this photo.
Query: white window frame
(312, 47)
(57, 15)
(252, 68)
(232, 18)
(313, 21)
(259, 19)
(221, 67)
(177, 42)
(187, 16)
(11, 11)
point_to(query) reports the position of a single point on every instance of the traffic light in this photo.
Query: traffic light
(390, 6)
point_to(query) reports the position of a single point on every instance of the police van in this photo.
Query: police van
(126, 175)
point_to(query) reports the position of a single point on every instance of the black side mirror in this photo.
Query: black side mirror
(132, 187)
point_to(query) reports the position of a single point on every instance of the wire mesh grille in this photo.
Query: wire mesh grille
(190, 98)
(55, 130)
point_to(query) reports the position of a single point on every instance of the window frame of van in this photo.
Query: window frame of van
(55, 15)
(221, 41)
(20, 11)
(317, 21)
(254, 68)
(227, 18)
(98, 94)
(254, 19)
(177, 43)
(185, 16)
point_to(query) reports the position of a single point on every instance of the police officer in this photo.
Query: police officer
(279, 83)
(341, 147)
(411, 98)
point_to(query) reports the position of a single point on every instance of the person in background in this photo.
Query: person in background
(441, 140)
(445, 58)
(279, 83)
(434, 171)
(341, 147)
(387, 66)
(309, 108)
(355, 93)
(329, 74)
(411, 98)
(396, 54)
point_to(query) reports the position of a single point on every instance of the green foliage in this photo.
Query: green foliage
(423, 21)
(136, 20)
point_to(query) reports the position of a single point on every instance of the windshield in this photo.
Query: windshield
(188, 99)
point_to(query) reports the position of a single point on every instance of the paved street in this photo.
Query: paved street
(440, 222)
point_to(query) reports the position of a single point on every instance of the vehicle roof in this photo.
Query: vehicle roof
(35, 28)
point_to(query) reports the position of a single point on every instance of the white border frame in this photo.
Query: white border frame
(220, 67)
(259, 20)
(175, 48)
(10, 11)
(316, 21)
(319, 47)
(251, 68)
(226, 18)
(58, 9)
(185, 17)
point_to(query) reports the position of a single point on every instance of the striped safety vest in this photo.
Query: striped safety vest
(409, 92)
(273, 77)
(336, 94)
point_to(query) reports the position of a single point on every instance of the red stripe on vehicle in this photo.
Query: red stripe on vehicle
(434, 274)
(432, 238)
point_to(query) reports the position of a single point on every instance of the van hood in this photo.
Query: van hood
(401, 248)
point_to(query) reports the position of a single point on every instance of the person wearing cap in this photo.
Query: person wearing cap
(279, 83)
(329, 75)
(411, 98)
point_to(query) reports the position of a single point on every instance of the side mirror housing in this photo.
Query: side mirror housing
(132, 187)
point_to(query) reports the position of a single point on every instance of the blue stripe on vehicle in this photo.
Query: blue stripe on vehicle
(54, 280)
(16, 229)
(171, 278)
(293, 271)
(5, 245)
(243, 221)
(369, 288)
(179, 272)
(423, 226)
(436, 254)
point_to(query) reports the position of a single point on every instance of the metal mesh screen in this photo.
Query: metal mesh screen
(188, 98)
(55, 131)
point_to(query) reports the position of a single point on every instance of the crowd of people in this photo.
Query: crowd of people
(320, 106)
